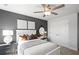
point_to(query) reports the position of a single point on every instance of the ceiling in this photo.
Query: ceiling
(28, 9)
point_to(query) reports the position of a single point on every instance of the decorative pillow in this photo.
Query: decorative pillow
(39, 35)
(33, 37)
(24, 37)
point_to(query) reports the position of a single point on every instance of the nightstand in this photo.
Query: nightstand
(8, 49)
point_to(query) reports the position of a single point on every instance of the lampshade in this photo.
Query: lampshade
(7, 39)
(7, 32)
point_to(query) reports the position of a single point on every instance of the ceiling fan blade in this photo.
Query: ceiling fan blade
(44, 15)
(57, 7)
(54, 13)
(39, 12)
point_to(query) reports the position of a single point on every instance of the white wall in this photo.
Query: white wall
(63, 31)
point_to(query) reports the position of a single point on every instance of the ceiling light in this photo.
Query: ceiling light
(47, 13)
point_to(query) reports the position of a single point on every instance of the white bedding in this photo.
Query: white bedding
(28, 44)
(41, 49)
(36, 47)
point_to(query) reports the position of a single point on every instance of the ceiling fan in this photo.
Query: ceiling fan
(49, 8)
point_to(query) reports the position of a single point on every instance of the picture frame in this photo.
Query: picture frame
(21, 24)
(31, 25)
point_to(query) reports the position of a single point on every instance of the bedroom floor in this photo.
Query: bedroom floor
(66, 51)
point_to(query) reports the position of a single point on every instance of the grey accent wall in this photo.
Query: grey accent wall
(8, 20)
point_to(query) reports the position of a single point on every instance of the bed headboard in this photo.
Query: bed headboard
(21, 32)
(29, 32)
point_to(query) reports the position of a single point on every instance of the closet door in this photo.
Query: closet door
(60, 32)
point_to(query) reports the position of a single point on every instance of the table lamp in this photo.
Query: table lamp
(7, 36)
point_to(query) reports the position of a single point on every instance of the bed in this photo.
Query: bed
(48, 48)
(37, 46)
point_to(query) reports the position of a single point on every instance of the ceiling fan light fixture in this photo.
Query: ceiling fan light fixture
(47, 13)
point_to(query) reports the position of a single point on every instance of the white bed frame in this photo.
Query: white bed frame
(55, 51)
(21, 32)
(29, 32)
